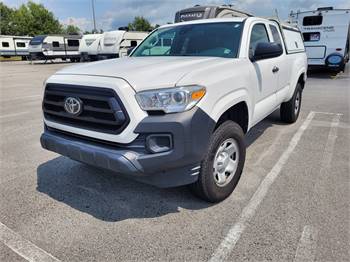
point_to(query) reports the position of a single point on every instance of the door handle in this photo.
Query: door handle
(275, 69)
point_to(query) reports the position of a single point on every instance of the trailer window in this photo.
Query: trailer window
(5, 44)
(311, 37)
(275, 34)
(21, 44)
(313, 20)
(55, 44)
(72, 42)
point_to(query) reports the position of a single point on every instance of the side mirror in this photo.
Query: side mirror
(266, 50)
(130, 50)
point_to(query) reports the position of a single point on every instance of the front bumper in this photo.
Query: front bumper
(190, 132)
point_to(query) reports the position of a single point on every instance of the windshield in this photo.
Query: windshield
(37, 40)
(208, 39)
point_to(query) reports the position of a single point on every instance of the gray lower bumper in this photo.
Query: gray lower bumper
(87, 153)
(190, 132)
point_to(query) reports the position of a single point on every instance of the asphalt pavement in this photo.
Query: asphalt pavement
(291, 204)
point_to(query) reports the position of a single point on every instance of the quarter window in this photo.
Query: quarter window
(258, 35)
(5, 44)
(275, 34)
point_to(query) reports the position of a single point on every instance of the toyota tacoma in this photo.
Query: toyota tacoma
(176, 111)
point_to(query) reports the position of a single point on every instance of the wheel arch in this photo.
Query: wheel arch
(238, 113)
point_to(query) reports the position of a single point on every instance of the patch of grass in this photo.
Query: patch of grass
(12, 58)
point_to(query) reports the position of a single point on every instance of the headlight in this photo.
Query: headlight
(170, 100)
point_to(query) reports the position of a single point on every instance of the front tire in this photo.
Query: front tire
(290, 110)
(222, 166)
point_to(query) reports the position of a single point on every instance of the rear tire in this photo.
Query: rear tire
(221, 170)
(290, 110)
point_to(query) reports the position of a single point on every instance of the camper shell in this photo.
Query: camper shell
(114, 44)
(14, 46)
(326, 36)
(208, 11)
(88, 47)
(48, 47)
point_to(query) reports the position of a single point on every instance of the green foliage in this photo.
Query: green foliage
(6, 18)
(140, 24)
(31, 19)
(72, 30)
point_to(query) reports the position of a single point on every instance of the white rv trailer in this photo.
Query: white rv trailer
(326, 36)
(14, 46)
(88, 47)
(48, 47)
(115, 44)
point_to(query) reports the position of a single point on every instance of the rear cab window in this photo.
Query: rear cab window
(276, 35)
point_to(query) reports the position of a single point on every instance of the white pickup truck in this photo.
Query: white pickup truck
(176, 110)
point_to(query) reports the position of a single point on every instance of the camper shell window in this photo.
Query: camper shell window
(55, 44)
(312, 20)
(20, 44)
(5, 44)
(73, 42)
(37, 40)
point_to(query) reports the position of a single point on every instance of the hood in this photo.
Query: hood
(144, 73)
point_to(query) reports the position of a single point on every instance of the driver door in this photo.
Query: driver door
(264, 72)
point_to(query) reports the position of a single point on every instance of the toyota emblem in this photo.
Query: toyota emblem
(73, 105)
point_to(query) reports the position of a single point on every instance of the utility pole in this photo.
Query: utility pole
(93, 15)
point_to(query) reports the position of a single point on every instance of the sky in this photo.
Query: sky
(111, 14)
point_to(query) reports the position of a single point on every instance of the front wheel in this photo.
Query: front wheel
(222, 166)
(290, 110)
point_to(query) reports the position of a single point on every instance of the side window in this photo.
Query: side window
(275, 34)
(55, 44)
(258, 35)
(133, 43)
(20, 44)
(72, 42)
(312, 20)
(5, 44)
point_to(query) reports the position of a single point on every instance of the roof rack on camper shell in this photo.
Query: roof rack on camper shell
(208, 11)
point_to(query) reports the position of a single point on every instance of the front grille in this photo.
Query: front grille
(102, 109)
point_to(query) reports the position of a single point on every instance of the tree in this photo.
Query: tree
(6, 18)
(140, 24)
(31, 19)
(72, 30)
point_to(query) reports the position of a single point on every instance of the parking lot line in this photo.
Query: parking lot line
(248, 212)
(307, 245)
(327, 113)
(23, 247)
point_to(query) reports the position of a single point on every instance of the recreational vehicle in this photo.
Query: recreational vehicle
(48, 47)
(326, 36)
(115, 44)
(14, 46)
(88, 47)
(205, 12)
